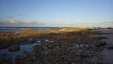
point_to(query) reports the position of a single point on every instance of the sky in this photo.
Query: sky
(56, 13)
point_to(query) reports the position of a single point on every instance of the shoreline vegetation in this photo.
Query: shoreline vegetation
(55, 46)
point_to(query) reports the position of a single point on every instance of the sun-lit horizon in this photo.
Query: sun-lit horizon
(56, 13)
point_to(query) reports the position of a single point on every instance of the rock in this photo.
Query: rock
(13, 62)
(38, 41)
(14, 48)
(102, 37)
(110, 47)
(101, 44)
(100, 63)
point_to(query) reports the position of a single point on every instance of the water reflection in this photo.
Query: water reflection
(24, 51)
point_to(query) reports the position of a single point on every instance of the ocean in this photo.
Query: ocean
(16, 29)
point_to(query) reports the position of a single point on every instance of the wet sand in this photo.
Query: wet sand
(107, 53)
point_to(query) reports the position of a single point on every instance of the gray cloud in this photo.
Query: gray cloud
(20, 23)
(107, 24)
(10, 17)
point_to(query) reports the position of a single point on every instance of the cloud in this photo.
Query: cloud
(20, 23)
(13, 22)
(107, 24)
(95, 24)
(89, 24)
(19, 14)
(10, 17)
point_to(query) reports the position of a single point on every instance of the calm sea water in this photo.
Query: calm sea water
(16, 29)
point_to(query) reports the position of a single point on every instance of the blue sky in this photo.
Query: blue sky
(52, 13)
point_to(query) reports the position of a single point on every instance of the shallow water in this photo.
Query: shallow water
(23, 52)
(26, 50)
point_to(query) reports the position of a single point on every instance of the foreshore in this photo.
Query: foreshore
(54, 46)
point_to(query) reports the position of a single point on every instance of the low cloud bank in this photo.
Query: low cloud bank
(20, 23)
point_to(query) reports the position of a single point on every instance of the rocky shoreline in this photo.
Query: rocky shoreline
(73, 47)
